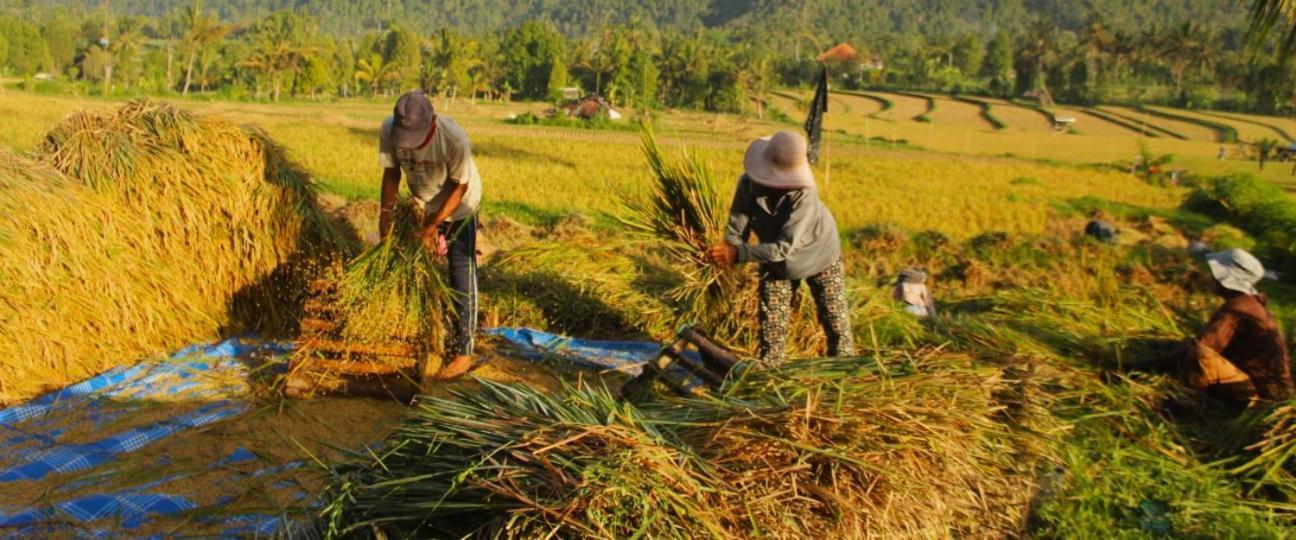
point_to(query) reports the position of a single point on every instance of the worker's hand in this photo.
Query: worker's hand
(722, 255)
(433, 241)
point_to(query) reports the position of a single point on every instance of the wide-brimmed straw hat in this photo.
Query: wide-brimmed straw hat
(779, 161)
(1236, 270)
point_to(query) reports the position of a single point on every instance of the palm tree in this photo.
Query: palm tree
(375, 72)
(1184, 47)
(1268, 16)
(201, 29)
(278, 49)
(126, 45)
(1041, 49)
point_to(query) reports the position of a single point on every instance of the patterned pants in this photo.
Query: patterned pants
(829, 291)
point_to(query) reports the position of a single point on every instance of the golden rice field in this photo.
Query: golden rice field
(1019, 118)
(1044, 308)
(538, 174)
(958, 128)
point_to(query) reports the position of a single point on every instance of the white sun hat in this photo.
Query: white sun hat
(1236, 269)
(779, 161)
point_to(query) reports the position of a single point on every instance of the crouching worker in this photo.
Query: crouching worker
(911, 289)
(796, 240)
(436, 157)
(1240, 354)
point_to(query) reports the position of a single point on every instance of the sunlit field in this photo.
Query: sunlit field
(539, 173)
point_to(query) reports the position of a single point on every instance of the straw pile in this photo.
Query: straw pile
(822, 449)
(134, 232)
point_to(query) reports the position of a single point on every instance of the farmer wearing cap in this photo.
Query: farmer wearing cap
(796, 240)
(1240, 354)
(436, 157)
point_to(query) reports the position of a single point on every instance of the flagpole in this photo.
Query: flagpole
(827, 156)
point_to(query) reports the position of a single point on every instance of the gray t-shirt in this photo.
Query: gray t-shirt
(796, 234)
(447, 157)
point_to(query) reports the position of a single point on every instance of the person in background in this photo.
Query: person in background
(1240, 354)
(796, 240)
(911, 288)
(1100, 229)
(436, 157)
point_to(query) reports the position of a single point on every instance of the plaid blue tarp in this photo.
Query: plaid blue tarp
(29, 444)
(620, 356)
(210, 375)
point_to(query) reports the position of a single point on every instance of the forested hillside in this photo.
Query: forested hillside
(842, 19)
(725, 55)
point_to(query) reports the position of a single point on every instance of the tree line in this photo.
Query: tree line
(716, 55)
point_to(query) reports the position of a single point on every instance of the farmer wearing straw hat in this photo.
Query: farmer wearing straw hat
(1240, 354)
(911, 289)
(796, 240)
(436, 157)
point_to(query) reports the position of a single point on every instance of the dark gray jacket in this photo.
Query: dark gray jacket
(796, 234)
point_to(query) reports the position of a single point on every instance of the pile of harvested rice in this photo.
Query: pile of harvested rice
(817, 449)
(134, 232)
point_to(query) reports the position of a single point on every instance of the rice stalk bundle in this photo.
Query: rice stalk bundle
(1269, 462)
(394, 291)
(681, 216)
(814, 449)
(135, 232)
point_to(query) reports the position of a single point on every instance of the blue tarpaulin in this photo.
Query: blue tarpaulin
(79, 436)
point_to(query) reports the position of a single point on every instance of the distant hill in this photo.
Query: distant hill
(860, 20)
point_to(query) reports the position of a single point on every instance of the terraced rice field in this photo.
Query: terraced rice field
(857, 104)
(1019, 118)
(1192, 131)
(905, 107)
(1283, 129)
(1091, 125)
(958, 113)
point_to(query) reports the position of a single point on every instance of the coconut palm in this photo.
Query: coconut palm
(375, 72)
(201, 30)
(280, 47)
(1268, 16)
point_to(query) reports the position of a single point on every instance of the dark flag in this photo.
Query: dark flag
(815, 116)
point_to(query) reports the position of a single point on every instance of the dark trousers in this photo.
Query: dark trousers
(461, 241)
(775, 313)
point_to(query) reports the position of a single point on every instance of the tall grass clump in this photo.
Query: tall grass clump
(682, 215)
(816, 449)
(137, 231)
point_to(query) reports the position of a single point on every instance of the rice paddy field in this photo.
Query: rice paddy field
(1033, 405)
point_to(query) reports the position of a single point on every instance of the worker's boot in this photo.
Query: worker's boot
(457, 367)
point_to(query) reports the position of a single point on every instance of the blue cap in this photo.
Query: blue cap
(412, 118)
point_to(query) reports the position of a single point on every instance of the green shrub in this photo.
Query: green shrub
(1257, 207)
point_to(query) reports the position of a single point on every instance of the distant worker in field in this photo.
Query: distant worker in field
(911, 289)
(1100, 229)
(796, 239)
(1240, 354)
(436, 157)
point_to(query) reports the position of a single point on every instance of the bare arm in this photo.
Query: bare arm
(454, 193)
(390, 186)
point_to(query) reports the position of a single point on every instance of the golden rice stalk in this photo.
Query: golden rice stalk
(682, 215)
(138, 231)
(394, 291)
